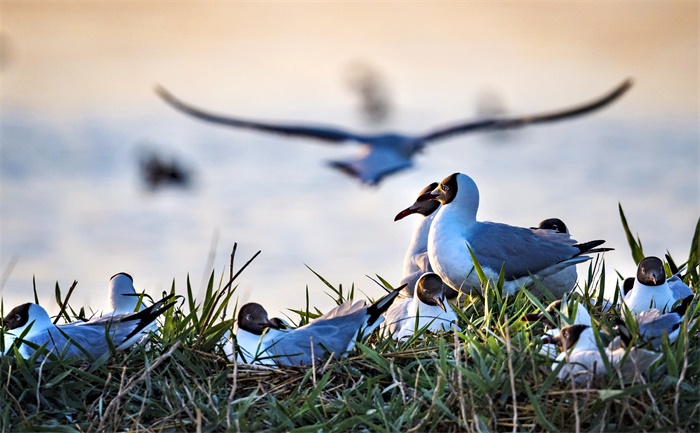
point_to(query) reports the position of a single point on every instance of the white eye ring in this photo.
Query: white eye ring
(445, 188)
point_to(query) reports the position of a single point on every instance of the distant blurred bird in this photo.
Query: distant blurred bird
(371, 90)
(157, 171)
(388, 153)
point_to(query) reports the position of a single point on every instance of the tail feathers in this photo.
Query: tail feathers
(590, 247)
(148, 315)
(683, 307)
(376, 310)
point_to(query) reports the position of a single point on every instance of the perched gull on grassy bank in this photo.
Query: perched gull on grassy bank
(262, 341)
(524, 254)
(31, 328)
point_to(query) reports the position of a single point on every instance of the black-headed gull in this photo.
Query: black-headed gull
(122, 294)
(416, 262)
(388, 153)
(32, 328)
(563, 281)
(584, 364)
(523, 253)
(563, 313)
(259, 341)
(427, 310)
(650, 288)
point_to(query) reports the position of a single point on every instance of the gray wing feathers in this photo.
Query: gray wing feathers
(529, 250)
(329, 336)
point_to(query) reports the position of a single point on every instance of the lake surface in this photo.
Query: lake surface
(78, 109)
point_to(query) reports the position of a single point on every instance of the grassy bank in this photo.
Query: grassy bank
(489, 376)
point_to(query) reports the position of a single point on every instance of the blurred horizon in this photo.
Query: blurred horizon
(78, 109)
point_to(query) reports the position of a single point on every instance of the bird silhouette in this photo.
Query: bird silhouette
(387, 153)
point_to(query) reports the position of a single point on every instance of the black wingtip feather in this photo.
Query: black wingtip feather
(378, 308)
(146, 316)
(588, 247)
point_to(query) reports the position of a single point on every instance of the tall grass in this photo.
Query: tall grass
(488, 376)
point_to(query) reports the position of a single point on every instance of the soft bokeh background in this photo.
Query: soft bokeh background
(78, 110)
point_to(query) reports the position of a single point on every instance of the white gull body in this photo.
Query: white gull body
(427, 310)
(584, 364)
(122, 295)
(650, 289)
(79, 339)
(523, 252)
(332, 334)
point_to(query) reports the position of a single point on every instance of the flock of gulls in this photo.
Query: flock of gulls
(451, 254)
(448, 251)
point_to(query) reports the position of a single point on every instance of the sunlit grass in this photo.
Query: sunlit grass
(488, 376)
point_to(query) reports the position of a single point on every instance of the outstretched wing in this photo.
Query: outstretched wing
(323, 133)
(516, 122)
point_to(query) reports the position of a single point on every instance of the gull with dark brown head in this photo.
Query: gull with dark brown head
(427, 310)
(650, 288)
(260, 340)
(524, 254)
(31, 328)
(583, 362)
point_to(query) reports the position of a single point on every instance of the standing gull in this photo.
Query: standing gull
(416, 261)
(260, 340)
(388, 153)
(523, 253)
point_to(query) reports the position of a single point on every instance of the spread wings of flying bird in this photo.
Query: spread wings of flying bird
(387, 153)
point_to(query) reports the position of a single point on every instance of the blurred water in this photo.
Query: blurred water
(72, 205)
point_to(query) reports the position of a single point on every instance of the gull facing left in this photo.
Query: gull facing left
(32, 328)
(523, 253)
(261, 341)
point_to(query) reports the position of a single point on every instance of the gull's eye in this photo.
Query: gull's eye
(17, 318)
(248, 317)
(445, 188)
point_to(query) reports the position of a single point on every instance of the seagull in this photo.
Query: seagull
(563, 281)
(388, 153)
(653, 324)
(32, 328)
(261, 342)
(122, 295)
(416, 262)
(583, 361)
(650, 288)
(524, 254)
(428, 309)
(572, 313)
